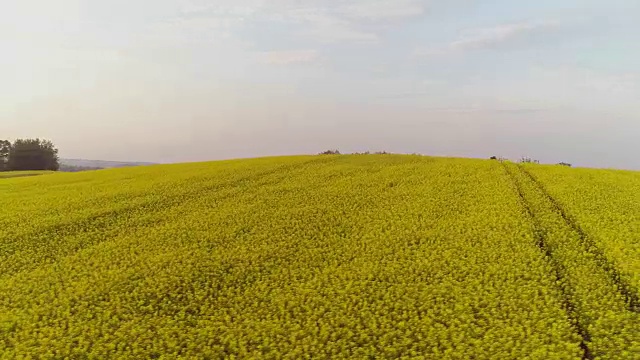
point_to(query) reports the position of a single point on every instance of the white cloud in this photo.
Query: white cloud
(489, 37)
(51, 24)
(568, 87)
(383, 9)
(587, 88)
(323, 27)
(198, 21)
(199, 28)
(289, 57)
(240, 8)
(324, 21)
(342, 21)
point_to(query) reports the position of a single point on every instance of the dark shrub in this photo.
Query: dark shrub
(330, 152)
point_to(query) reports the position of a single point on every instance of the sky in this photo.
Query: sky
(190, 80)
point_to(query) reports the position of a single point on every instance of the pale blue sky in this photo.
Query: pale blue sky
(189, 80)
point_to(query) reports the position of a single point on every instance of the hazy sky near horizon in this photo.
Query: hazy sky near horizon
(189, 80)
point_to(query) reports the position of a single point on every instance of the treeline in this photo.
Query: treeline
(28, 154)
(337, 152)
(76, 168)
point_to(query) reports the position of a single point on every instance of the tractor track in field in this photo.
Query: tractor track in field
(542, 244)
(624, 288)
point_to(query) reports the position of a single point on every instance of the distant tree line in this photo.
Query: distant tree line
(76, 168)
(330, 152)
(28, 154)
(527, 160)
(337, 152)
(374, 153)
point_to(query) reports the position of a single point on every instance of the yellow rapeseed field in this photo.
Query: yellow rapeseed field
(323, 257)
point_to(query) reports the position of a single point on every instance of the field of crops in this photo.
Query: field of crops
(363, 256)
(15, 174)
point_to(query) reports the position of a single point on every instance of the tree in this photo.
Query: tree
(330, 152)
(5, 149)
(33, 154)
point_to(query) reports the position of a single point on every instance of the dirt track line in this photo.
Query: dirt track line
(624, 288)
(558, 268)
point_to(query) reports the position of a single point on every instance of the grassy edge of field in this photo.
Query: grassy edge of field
(22, 174)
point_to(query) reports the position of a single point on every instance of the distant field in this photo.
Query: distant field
(362, 256)
(15, 174)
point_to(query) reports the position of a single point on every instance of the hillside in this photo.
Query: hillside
(360, 256)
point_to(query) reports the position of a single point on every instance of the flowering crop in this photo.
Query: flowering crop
(376, 256)
(595, 298)
(606, 206)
